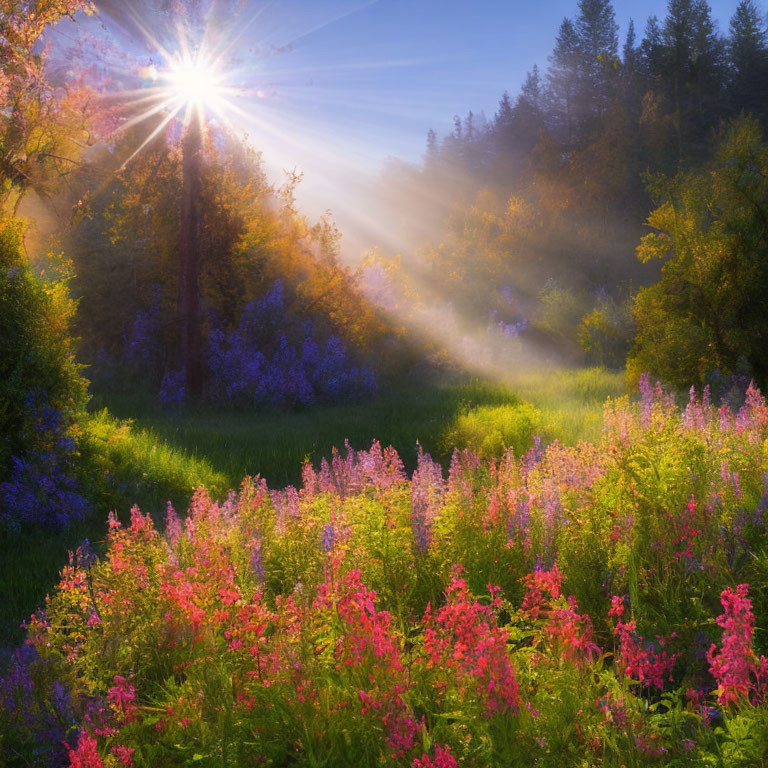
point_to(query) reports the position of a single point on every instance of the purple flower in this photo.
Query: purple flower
(256, 561)
(328, 537)
(85, 557)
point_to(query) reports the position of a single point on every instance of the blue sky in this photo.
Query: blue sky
(381, 73)
(363, 81)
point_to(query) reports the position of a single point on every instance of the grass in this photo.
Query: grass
(275, 445)
(165, 454)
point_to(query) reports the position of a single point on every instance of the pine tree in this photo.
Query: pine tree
(531, 90)
(694, 69)
(631, 92)
(598, 43)
(432, 149)
(563, 83)
(748, 60)
(527, 117)
(652, 50)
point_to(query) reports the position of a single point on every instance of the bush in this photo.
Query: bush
(36, 352)
(490, 430)
(41, 391)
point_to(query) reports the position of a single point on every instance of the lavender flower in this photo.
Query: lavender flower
(328, 538)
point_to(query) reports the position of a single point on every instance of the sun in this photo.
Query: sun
(195, 83)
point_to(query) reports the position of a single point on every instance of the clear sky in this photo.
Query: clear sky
(381, 73)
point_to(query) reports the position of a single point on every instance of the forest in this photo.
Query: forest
(479, 478)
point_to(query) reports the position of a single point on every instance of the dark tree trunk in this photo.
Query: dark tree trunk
(189, 260)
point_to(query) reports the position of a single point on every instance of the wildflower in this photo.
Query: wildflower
(443, 759)
(123, 754)
(86, 755)
(256, 561)
(172, 525)
(464, 639)
(122, 695)
(427, 488)
(85, 557)
(735, 665)
(634, 659)
(328, 538)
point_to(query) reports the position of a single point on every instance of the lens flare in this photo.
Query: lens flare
(195, 83)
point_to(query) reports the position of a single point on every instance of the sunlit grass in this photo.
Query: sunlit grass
(571, 400)
(564, 405)
(276, 444)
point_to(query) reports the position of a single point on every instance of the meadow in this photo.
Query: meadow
(156, 455)
(601, 603)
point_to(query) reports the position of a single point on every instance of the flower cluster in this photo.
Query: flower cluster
(734, 665)
(42, 489)
(273, 359)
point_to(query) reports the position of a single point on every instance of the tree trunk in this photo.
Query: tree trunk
(189, 260)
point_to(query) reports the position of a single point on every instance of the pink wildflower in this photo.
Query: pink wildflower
(86, 755)
(735, 665)
(443, 759)
(123, 754)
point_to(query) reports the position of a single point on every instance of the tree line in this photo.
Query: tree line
(549, 197)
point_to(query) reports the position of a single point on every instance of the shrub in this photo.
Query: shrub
(490, 430)
(41, 390)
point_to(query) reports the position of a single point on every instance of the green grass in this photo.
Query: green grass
(570, 400)
(275, 445)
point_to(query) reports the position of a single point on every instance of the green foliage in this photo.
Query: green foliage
(605, 333)
(489, 431)
(36, 349)
(559, 311)
(119, 461)
(708, 311)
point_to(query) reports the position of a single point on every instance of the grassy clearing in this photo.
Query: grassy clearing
(275, 445)
(570, 401)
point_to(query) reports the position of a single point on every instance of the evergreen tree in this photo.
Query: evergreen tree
(748, 60)
(527, 117)
(694, 59)
(597, 41)
(563, 83)
(432, 154)
(631, 94)
(651, 61)
(531, 90)
(503, 118)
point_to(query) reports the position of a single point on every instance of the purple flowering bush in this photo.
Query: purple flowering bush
(272, 358)
(41, 488)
